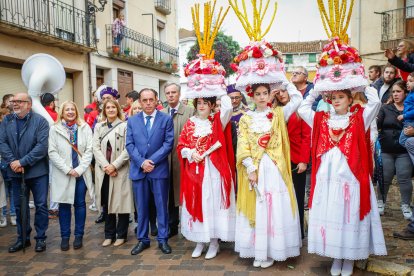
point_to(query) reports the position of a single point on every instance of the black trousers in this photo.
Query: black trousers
(299, 182)
(113, 229)
(173, 211)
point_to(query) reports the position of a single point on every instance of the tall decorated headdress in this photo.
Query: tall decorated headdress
(205, 75)
(258, 62)
(340, 65)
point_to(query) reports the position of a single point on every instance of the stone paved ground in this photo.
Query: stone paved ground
(95, 260)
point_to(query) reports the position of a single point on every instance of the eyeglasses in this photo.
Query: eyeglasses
(235, 98)
(18, 102)
(297, 73)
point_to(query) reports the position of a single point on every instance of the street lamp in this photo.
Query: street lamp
(153, 41)
(92, 8)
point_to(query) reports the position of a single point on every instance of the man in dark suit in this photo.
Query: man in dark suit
(180, 114)
(23, 149)
(150, 139)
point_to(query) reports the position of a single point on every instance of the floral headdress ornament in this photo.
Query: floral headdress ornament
(205, 75)
(258, 62)
(340, 65)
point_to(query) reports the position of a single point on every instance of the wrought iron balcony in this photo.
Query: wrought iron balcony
(133, 47)
(163, 6)
(396, 24)
(50, 22)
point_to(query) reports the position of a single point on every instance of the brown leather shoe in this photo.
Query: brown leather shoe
(404, 235)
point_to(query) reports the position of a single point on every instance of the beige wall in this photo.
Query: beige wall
(366, 27)
(17, 50)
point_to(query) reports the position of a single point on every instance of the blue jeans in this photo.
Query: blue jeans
(9, 194)
(65, 212)
(39, 187)
(403, 137)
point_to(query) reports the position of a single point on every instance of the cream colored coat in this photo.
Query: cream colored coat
(60, 155)
(120, 199)
(183, 113)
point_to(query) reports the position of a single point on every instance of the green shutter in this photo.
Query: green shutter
(312, 58)
(289, 58)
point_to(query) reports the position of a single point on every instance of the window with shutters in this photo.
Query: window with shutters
(312, 58)
(289, 59)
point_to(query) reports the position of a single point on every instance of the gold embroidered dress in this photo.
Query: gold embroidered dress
(267, 226)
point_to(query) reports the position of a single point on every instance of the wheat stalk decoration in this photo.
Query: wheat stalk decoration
(254, 30)
(336, 19)
(207, 36)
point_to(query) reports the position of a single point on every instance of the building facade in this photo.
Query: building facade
(82, 39)
(304, 54)
(377, 25)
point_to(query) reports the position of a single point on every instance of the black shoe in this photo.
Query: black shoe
(154, 230)
(172, 232)
(404, 235)
(139, 248)
(18, 246)
(77, 243)
(101, 218)
(40, 245)
(64, 244)
(165, 248)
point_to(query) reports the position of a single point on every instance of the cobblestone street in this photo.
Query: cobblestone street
(93, 259)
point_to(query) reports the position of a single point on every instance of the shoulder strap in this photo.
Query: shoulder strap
(109, 131)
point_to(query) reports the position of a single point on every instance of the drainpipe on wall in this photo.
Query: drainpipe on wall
(90, 77)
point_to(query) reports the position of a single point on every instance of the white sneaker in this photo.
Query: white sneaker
(3, 221)
(406, 210)
(381, 207)
(347, 268)
(31, 204)
(198, 250)
(92, 207)
(13, 220)
(267, 263)
(257, 263)
(336, 267)
(213, 249)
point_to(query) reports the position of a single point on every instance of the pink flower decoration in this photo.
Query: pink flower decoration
(261, 67)
(196, 83)
(336, 74)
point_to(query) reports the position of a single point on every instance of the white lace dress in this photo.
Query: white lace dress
(277, 232)
(335, 229)
(217, 222)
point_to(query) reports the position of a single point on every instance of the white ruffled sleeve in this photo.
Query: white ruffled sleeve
(305, 109)
(372, 108)
(188, 153)
(248, 163)
(226, 110)
(295, 100)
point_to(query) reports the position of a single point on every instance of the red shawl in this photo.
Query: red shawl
(222, 159)
(354, 144)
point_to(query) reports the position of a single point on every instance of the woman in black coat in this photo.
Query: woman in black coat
(395, 157)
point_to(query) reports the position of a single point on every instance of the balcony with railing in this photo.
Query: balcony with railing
(396, 25)
(163, 6)
(50, 22)
(133, 47)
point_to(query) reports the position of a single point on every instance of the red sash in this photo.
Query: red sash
(354, 144)
(222, 159)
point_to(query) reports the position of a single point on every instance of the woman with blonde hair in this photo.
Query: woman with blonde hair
(403, 58)
(135, 108)
(70, 152)
(113, 187)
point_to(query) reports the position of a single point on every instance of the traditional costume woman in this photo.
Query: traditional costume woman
(207, 186)
(344, 223)
(268, 226)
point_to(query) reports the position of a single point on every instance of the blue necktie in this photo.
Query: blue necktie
(148, 124)
(172, 112)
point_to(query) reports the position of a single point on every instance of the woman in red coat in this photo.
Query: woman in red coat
(300, 141)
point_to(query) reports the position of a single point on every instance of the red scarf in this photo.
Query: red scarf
(355, 145)
(222, 159)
